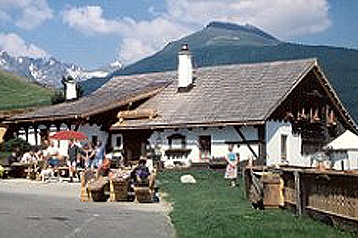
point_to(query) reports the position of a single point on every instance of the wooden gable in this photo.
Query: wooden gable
(315, 112)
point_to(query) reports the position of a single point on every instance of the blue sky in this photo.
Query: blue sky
(92, 33)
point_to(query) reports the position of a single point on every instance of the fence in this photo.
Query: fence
(330, 196)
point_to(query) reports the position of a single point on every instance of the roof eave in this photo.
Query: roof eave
(89, 113)
(123, 126)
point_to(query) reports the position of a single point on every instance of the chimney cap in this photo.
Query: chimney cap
(184, 47)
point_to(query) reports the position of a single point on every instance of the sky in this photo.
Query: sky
(93, 33)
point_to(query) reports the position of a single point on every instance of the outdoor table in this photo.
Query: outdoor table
(19, 170)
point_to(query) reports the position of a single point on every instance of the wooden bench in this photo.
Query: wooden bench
(119, 189)
(93, 187)
(145, 193)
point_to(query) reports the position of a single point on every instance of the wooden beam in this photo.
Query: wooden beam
(262, 143)
(299, 209)
(68, 124)
(254, 142)
(237, 128)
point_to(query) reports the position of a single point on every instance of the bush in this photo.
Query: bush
(16, 144)
(58, 97)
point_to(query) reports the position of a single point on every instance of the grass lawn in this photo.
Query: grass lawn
(17, 93)
(211, 208)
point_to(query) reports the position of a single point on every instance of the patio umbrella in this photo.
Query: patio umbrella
(68, 135)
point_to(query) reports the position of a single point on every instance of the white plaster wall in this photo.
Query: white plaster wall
(352, 160)
(94, 130)
(348, 159)
(63, 145)
(274, 130)
(218, 138)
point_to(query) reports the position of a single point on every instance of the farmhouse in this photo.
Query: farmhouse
(343, 151)
(275, 112)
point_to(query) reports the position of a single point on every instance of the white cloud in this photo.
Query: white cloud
(140, 39)
(32, 13)
(16, 46)
(4, 17)
(283, 19)
(89, 20)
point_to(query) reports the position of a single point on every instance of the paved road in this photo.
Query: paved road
(34, 209)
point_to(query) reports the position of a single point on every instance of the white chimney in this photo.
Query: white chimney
(71, 89)
(185, 67)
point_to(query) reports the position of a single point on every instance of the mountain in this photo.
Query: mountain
(17, 92)
(49, 71)
(225, 43)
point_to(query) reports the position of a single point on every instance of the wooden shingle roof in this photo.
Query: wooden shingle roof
(117, 92)
(224, 95)
(245, 94)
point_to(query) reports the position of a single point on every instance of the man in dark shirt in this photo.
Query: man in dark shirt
(140, 174)
(73, 152)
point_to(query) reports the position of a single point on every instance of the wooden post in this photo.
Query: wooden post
(36, 134)
(298, 192)
(26, 133)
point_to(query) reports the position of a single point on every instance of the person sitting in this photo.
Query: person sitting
(12, 158)
(52, 154)
(29, 157)
(140, 174)
(105, 167)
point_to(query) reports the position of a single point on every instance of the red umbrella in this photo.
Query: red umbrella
(68, 135)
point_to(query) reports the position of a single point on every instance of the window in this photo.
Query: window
(283, 148)
(94, 139)
(204, 147)
(177, 141)
(119, 142)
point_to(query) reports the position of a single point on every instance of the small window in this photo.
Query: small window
(283, 148)
(119, 141)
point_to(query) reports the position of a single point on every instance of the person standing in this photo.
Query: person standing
(231, 168)
(88, 155)
(73, 152)
(100, 154)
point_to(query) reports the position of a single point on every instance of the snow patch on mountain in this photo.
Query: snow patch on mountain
(50, 71)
